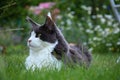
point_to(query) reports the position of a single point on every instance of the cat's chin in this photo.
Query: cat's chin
(32, 46)
(38, 48)
(29, 45)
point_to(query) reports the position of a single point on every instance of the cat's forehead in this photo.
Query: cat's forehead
(44, 36)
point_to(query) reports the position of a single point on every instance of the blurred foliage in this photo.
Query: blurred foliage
(12, 9)
(15, 9)
(117, 1)
(90, 22)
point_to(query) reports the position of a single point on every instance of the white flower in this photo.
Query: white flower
(108, 44)
(103, 33)
(89, 12)
(97, 27)
(70, 15)
(90, 25)
(84, 43)
(107, 29)
(68, 8)
(109, 23)
(103, 20)
(89, 31)
(99, 16)
(84, 7)
(108, 16)
(69, 22)
(100, 30)
(89, 8)
(97, 39)
(118, 60)
(79, 24)
(118, 43)
(115, 24)
(91, 49)
(104, 6)
(97, 8)
(72, 12)
(94, 16)
(59, 17)
(116, 30)
(106, 32)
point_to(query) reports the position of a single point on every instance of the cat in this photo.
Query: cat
(49, 49)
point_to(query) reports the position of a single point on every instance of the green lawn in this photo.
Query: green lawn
(104, 67)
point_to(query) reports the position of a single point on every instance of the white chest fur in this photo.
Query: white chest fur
(42, 59)
(40, 55)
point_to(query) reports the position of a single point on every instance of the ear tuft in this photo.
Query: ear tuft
(35, 25)
(49, 23)
(49, 15)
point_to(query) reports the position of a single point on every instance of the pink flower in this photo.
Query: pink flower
(38, 9)
(46, 5)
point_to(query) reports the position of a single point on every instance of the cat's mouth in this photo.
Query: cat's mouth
(29, 45)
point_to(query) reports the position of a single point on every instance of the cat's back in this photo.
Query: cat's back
(80, 54)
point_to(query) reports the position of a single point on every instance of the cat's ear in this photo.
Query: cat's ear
(35, 25)
(49, 23)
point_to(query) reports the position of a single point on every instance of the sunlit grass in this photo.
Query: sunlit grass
(103, 67)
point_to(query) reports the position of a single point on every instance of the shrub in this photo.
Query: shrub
(91, 22)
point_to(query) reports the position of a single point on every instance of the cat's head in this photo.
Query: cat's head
(42, 35)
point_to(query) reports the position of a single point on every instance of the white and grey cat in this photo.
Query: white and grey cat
(49, 49)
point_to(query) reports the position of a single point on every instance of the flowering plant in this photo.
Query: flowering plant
(45, 5)
(100, 32)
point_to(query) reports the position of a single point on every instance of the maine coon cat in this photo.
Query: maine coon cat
(49, 49)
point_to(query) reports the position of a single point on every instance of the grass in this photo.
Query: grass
(104, 67)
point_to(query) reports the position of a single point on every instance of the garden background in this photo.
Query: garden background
(91, 23)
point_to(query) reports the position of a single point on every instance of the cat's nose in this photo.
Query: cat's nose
(29, 41)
